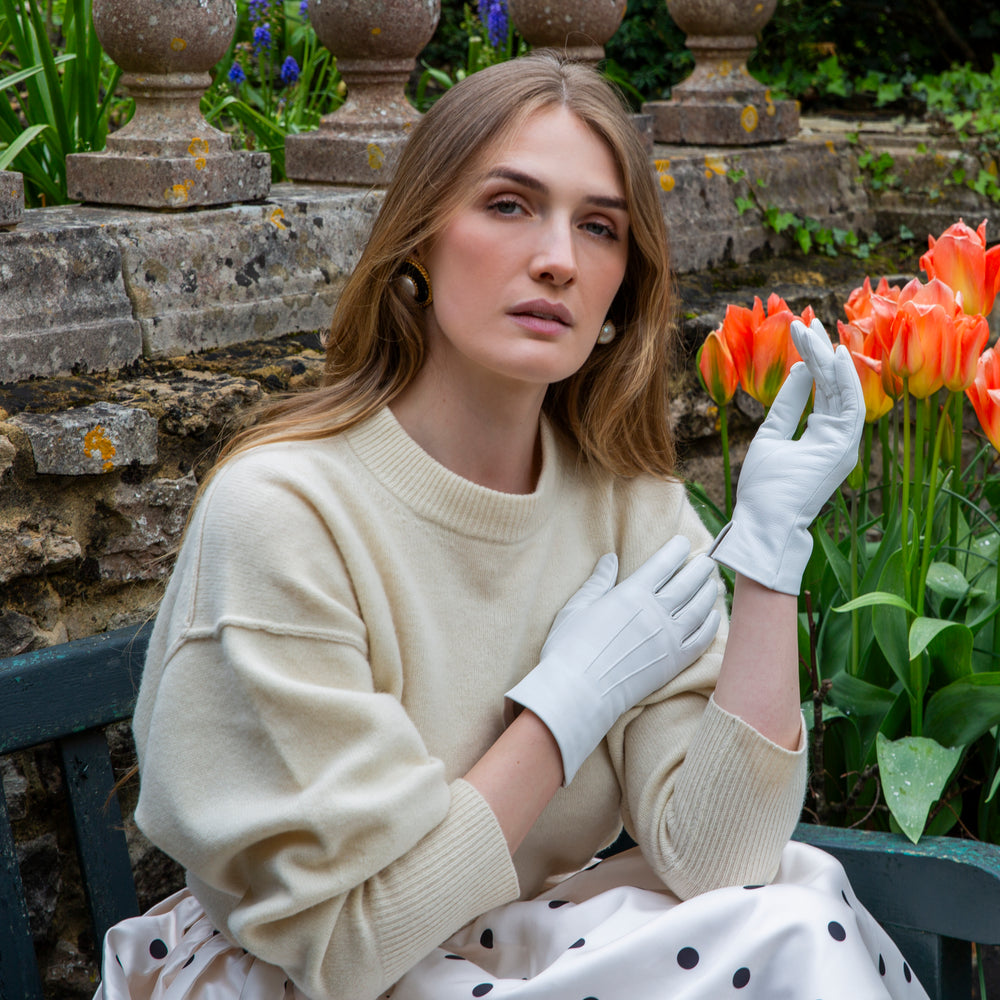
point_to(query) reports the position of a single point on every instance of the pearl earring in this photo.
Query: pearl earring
(607, 333)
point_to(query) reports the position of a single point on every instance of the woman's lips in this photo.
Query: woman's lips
(543, 317)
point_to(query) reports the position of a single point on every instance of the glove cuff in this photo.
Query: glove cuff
(775, 560)
(570, 720)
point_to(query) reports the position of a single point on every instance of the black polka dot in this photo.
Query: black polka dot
(741, 977)
(214, 932)
(881, 966)
(836, 930)
(456, 958)
(482, 989)
(486, 940)
(554, 904)
(846, 900)
(157, 948)
(188, 962)
(578, 943)
(687, 958)
(753, 886)
(119, 961)
(907, 973)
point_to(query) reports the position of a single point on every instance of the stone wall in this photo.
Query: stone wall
(130, 340)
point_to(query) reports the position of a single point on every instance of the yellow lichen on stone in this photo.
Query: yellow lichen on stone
(277, 219)
(376, 31)
(715, 166)
(177, 194)
(667, 182)
(376, 158)
(178, 44)
(96, 443)
(749, 118)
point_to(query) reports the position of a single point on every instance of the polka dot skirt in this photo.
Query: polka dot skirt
(613, 933)
(608, 933)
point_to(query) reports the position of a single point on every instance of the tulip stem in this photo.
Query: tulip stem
(888, 468)
(904, 511)
(957, 420)
(726, 474)
(929, 520)
(855, 665)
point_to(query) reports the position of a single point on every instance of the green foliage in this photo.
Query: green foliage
(479, 54)
(901, 654)
(809, 236)
(275, 80)
(59, 92)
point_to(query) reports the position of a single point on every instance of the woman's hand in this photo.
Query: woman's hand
(611, 646)
(784, 483)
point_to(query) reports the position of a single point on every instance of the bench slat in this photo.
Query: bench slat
(19, 979)
(100, 834)
(71, 687)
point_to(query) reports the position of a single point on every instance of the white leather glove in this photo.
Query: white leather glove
(611, 646)
(784, 483)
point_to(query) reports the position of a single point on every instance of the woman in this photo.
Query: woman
(432, 636)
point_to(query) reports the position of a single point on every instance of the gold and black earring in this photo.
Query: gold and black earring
(415, 281)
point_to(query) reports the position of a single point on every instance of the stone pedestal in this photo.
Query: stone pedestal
(376, 44)
(11, 199)
(167, 156)
(580, 27)
(720, 103)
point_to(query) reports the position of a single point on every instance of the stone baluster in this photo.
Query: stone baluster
(11, 199)
(376, 44)
(167, 156)
(720, 103)
(580, 27)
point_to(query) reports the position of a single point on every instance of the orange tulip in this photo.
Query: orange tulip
(960, 259)
(964, 341)
(867, 356)
(911, 333)
(716, 367)
(761, 346)
(859, 303)
(985, 395)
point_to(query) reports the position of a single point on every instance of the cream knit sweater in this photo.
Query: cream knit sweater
(331, 657)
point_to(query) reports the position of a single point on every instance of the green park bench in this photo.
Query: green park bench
(933, 898)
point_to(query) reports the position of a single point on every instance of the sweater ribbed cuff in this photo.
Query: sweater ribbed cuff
(432, 895)
(742, 796)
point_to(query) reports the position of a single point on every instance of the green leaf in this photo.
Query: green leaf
(914, 772)
(10, 152)
(947, 580)
(835, 559)
(890, 620)
(857, 697)
(994, 786)
(924, 631)
(961, 712)
(878, 598)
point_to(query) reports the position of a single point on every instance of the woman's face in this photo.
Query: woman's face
(526, 270)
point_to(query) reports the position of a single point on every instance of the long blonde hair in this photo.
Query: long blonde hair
(616, 406)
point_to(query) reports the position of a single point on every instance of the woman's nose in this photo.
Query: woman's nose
(555, 259)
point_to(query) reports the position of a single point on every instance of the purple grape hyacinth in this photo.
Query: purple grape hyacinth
(493, 14)
(236, 74)
(258, 10)
(289, 71)
(261, 38)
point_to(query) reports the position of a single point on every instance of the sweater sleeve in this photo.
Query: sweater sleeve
(316, 829)
(710, 801)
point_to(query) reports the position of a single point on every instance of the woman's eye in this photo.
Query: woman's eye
(505, 206)
(600, 229)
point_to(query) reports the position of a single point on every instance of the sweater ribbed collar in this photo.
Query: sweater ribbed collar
(436, 493)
